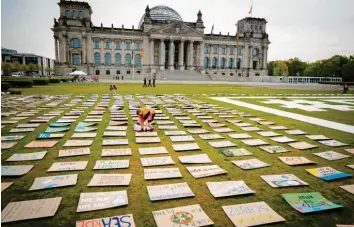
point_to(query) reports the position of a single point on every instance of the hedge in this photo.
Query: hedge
(5, 86)
(65, 80)
(19, 83)
(53, 81)
(40, 81)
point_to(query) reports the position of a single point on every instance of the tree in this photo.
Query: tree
(17, 66)
(348, 71)
(33, 67)
(24, 67)
(280, 69)
(314, 69)
(7, 67)
(48, 70)
(270, 67)
(296, 67)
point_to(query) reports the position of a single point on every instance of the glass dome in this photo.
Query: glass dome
(162, 13)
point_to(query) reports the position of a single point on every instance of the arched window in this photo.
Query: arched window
(127, 45)
(97, 72)
(255, 52)
(107, 59)
(118, 59)
(223, 50)
(222, 63)
(214, 62)
(97, 57)
(81, 14)
(137, 46)
(215, 49)
(108, 72)
(206, 50)
(108, 45)
(97, 44)
(75, 43)
(238, 64)
(231, 61)
(118, 45)
(76, 59)
(128, 59)
(137, 60)
(67, 13)
(74, 13)
(206, 62)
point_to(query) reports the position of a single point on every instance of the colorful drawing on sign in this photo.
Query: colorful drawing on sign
(283, 180)
(309, 202)
(250, 164)
(274, 149)
(67, 166)
(252, 214)
(82, 127)
(11, 138)
(27, 156)
(59, 124)
(333, 143)
(41, 144)
(15, 170)
(111, 164)
(126, 220)
(331, 155)
(328, 173)
(53, 182)
(236, 152)
(30, 209)
(228, 188)
(46, 135)
(57, 129)
(101, 200)
(192, 215)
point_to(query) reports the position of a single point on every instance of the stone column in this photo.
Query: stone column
(102, 51)
(171, 56)
(219, 58)
(123, 52)
(83, 50)
(56, 48)
(245, 58)
(89, 48)
(181, 55)
(152, 45)
(112, 53)
(265, 56)
(190, 56)
(227, 57)
(201, 55)
(132, 46)
(250, 55)
(162, 57)
(211, 56)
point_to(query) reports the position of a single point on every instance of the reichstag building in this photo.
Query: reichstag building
(162, 41)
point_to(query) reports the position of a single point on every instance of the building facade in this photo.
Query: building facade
(8, 55)
(162, 41)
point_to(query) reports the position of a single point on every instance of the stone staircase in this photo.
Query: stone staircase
(185, 75)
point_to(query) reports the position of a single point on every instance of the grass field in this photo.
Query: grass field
(140, 205)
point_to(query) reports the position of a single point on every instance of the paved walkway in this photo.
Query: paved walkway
(299, 117)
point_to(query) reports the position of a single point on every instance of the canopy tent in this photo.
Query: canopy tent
(78, 73)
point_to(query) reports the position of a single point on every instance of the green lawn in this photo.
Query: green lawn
(139, 203)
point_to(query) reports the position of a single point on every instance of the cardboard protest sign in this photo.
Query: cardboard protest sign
(169, 191)
(331, 155)
(111, 164)
(236, 152)
(27, 156)
(293, 161)
(67, 166)
(56, 129)
(195, 159)
(192, 215)
(47, 135)
(110, 180)
(5, 185)
(53, 182)
(148, 140)
(250, 164)
(283, 180)
(328, 173)
(161, 173)
(74, 152)
(15, 170)
(30, 209)
(7, 145)
(348, 188)
(309, 202)
(185, 147)
(205, 171)
(121, 221)
(222, 144)
(101, 200)
(302, 145)
(274, 149)
(228, 188)
(157, 161)
(41, 144)
(252, 214)
(152, 150)
(78, 143)
(115, 142)
(12, 138)
(116, 152)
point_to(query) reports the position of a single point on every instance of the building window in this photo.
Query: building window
(128, 59)
(255, 52)
(223, 50)
(238, 63)
(118, 72)
(76, 59)
(97, 72)
(118, 45)
(231, 61)
(215, 49)
(239, 50)
(137, 60)
(118, 59)
(108, 72)
(206, 50)
(67, 13)
(251, 27)
(232, 49)
(81, 14)
(108, 45)
(137, 46)
(222, 63)
(107, 59)
(128, 72)
(74, 13)
(97, 57)
(97, 44)
(260, 27)
(214, 62)
(254, 64)
(206, 62)
(75, 43)
(127, 45)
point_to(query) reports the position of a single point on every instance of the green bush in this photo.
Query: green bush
(5, 86)
(40, 81)
(19, 83)
(53, 81)
(64, 80)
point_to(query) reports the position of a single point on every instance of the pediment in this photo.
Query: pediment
(176, 28)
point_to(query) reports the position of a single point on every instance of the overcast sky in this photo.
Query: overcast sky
(309, 29)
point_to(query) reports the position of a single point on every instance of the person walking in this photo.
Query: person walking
(144, 85)
(153, 79)
(345, 88)
(113, 88)
(150, 85)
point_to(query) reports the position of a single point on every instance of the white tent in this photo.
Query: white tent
(78, 73)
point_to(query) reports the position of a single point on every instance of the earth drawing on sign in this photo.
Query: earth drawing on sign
(182, 218)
